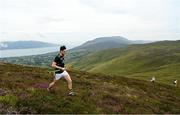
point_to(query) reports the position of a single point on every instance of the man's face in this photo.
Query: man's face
(63, 52)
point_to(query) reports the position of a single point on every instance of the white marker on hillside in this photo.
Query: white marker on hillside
(175, 82)
(153, 79)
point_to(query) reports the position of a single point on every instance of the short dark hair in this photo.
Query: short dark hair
(62, 48)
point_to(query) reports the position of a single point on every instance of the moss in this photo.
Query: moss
(9, 99)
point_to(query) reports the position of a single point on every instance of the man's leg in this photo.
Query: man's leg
(56, 78)
(51, 84)
(69, 82)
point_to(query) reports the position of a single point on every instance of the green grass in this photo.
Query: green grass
(160, 59)
(22, 91)
(9, 99)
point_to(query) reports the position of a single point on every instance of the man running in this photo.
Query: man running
(60, 70)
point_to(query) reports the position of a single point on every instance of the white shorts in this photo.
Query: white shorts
(60, 75)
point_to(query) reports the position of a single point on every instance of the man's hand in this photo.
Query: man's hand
(63, 69)
(55, 66)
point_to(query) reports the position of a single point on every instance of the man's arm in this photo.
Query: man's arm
(55, 66)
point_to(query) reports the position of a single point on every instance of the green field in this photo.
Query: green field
(159, 59)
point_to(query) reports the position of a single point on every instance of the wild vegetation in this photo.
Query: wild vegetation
(23, 90)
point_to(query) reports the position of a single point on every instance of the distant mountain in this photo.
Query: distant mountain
(24, 44)
(102, 43)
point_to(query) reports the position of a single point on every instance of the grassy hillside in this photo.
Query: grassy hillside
(160, 59)
(23, 90)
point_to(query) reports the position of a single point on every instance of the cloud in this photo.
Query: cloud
(80, 20)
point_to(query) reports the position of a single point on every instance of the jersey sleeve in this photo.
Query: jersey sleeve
(56, 59)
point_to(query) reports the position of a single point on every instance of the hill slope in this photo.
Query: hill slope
(161, 59)
(23, 90)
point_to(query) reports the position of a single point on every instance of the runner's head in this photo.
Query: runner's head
(62, 50)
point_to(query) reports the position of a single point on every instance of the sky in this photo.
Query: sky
(77, 21)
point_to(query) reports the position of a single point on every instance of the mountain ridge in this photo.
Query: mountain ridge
(24, 44)
(103, 43)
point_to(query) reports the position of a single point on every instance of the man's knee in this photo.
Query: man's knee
(54, 82)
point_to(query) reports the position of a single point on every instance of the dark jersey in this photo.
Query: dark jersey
(59, 62)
